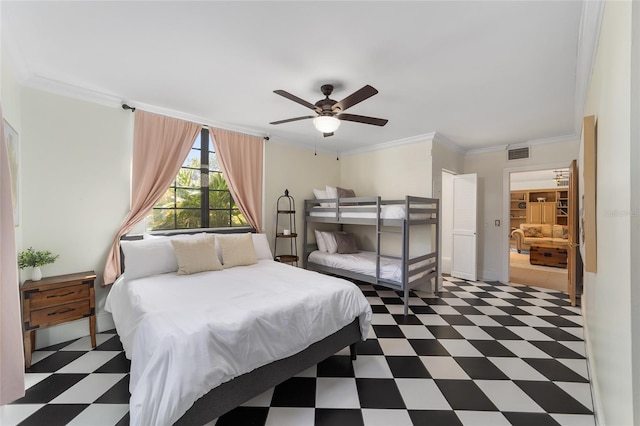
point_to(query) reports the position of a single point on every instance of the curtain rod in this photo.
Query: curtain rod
(132, 109)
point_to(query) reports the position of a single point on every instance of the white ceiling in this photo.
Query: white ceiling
(481, 74)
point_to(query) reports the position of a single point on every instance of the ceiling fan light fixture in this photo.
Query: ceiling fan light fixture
(326, 124)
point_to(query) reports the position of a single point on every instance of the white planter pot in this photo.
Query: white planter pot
(36, 274)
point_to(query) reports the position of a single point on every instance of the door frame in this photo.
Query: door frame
(506, 210)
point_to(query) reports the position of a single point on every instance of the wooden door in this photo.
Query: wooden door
(548, 212)
(573, 263)
(534, 213)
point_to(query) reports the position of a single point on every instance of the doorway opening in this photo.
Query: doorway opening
(538, 228)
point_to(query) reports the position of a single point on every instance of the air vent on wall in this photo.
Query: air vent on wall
(518, 153)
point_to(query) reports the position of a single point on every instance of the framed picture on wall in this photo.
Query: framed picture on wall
(13, 148)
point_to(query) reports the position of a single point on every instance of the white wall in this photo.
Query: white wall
(446, 222)
(75, 162)
(493, 195)
(607, 293)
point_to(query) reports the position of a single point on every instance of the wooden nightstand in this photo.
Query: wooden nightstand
(56, 300)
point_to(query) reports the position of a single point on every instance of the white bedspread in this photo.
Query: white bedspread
(187, 334)
(364, 262)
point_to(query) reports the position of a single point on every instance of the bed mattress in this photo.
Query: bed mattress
(186, 335)
(387, 211)
(364, 262)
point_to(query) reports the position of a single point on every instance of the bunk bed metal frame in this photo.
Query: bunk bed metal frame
(417, 211)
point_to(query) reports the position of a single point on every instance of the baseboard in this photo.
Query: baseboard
(72, 330)
(595, 394)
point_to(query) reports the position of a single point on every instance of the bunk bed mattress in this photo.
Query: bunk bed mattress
(364, 262)
(387, 211)
(186, 334)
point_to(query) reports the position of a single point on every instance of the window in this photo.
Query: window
(199, 196)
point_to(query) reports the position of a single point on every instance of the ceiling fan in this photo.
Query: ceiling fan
(330, 112)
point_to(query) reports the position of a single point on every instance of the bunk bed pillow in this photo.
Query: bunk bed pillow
(346, 193)
(346, 243)
(330, 242)
(196, 255)
(320, 241)
(332, 192)
(321, 194)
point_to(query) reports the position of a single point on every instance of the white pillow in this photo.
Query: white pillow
(330, 242)
(148, 236)
(322, 246)
(148, 257)
(332, 192)
(260, 243)
(196, 255)
(237, 250)
(321, 194)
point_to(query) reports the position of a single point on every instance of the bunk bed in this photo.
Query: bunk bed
(413, 219)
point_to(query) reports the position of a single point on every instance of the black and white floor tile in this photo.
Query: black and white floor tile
(480, 354)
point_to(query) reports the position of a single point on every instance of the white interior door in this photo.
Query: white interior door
(465, 223)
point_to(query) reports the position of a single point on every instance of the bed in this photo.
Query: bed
(203, 343)
(410, 219)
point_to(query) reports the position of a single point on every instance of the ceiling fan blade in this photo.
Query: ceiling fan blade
(326, 135)
(294, 98)
(293, 119)
(363, 119)
(355, 98)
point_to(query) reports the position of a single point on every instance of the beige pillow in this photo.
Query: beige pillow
(196, 255)
(237, 250)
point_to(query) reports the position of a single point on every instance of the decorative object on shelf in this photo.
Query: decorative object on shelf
(35, 259)
(541, 199)
(286, 229)
(561, 177)
(522, 205)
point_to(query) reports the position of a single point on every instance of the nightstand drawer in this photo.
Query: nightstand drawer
(59, 295)
(60, 313)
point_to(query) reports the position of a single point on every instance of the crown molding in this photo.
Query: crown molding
(448, 143)
(111, 100)
(555, 139)
(589, 32)
(428, 137)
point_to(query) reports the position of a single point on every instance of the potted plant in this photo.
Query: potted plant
(35, 259)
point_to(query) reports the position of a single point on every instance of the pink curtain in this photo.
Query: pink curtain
(160, 146)
(11, 352)
(240, 158)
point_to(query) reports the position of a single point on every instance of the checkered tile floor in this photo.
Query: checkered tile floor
(480, 354)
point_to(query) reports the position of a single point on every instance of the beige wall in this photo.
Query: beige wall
(607, 293)
(299, 171)
(390, 173)
(493, 178)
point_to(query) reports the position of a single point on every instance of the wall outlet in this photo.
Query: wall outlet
(497, 222)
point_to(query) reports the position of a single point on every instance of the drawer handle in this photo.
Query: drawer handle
(64, 311)
(60, 295)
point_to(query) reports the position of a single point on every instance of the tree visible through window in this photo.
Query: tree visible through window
(199, 197)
